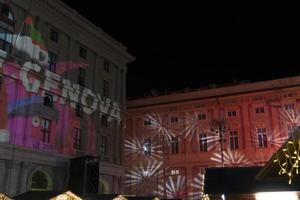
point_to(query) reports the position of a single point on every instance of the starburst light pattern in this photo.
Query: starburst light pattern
(231, 158)
(138, 148)
(175, 188)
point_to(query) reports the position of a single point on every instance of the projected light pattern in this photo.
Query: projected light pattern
(197, 186)
(144, 173)
(273, 138)
(291, 116)
(231, 158)
(137, 148)
(162, 128)
(190, 126)
(175, 187)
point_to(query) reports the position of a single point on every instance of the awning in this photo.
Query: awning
(242, 180)
(4, 197)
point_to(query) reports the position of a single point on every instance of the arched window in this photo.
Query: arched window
(41, 181)
(104, 187)
(7, 23)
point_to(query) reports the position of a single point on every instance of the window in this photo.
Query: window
(147, 147)
(234, 141)
(79, 110)
(48, 100)
(147, 122)
(103, 149)
(203, 142)
(46, 129)
(175, 147)
(231, 113)
(81, 76)
(106, 66)
(54, 35)
(174, 171)
(82, 52)
(201, 116)
(262, 137)
(105, 88)
(174, 120)
(5, 39)
(289, 106)
(77, 138)
(6, 14)
(260, 110)
(104, 120)
(52, 59)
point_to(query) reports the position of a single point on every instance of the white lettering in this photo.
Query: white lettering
(28, 84)
(70, 91)
(51, 82)
(89, 109)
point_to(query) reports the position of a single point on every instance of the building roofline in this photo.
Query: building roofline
(214, 92)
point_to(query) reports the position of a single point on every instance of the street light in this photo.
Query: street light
(219, 127)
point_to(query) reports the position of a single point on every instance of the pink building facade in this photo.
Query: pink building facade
(62, 95)
(171, 139)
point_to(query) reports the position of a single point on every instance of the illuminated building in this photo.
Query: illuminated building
(62, 96)
(185, 132)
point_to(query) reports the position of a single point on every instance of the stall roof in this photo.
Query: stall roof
(45, 195)
(238, 180)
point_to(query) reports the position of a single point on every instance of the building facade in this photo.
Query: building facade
(171, 139)
(62, 95)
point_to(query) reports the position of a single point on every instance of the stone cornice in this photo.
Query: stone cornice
(17, 153)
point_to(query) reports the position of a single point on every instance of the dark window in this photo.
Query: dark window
(6, 15)
(52, 59)
(46, 130)
(262, 138)
(201, 116)
(104, 120)
(48, 100)
(175, 146)
(77, 138)
(234, 141)
(289, 106)
(5, 40)
(147, 147)
(82, 52)
(232, 113)
(105, 88)
(79, 110)
(54, 35)
(103, 149)
(174, 120)
(81, 76)
(203, 142)
(260, 110)
(147, 122)
(106, 66)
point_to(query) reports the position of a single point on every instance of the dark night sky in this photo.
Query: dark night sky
(173, 41)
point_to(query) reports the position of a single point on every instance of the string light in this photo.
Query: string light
(289, 164)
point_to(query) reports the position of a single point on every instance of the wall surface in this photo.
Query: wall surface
(62, 95)
(238, 125)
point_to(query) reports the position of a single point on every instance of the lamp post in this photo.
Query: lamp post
(219, 127)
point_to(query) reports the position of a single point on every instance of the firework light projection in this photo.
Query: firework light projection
(162, 127)
(291, 116)
(190, 126)
(175, 187)
(144, 174)
(231, 158)
(274, 138)
(197, 186)
(139, 148)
